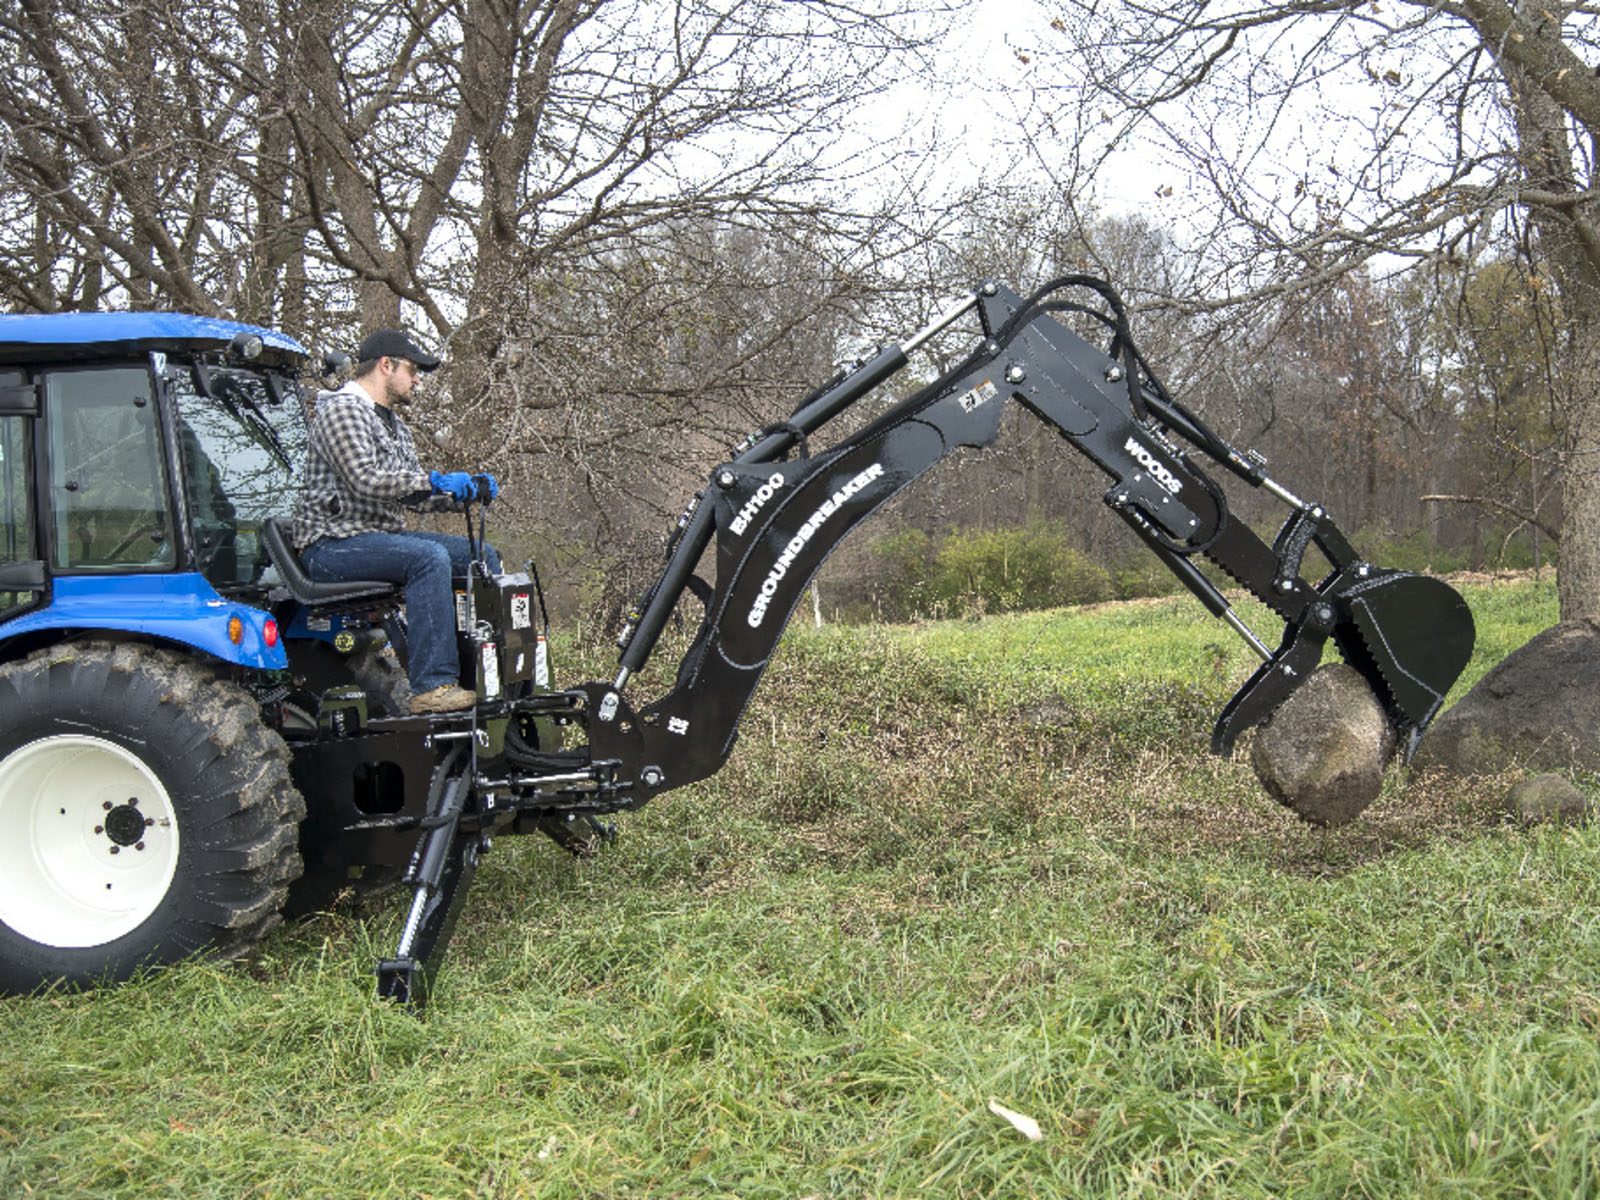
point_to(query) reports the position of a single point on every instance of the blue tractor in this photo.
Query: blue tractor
(196, 738)
(173, 689)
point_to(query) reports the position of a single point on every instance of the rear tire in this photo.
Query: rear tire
(146, 815)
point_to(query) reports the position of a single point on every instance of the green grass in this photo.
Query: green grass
(947, 863)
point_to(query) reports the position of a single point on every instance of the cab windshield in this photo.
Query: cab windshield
(241, 437)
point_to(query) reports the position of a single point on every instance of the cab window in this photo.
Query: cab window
(108, 489)
(239, 441)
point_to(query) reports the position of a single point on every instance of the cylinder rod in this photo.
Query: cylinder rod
(1284, 494)
(944, 319)
(1248, 634)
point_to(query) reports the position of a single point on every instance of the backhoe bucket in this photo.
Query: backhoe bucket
(1411, 636)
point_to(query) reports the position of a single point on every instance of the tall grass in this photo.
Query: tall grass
(947, 864)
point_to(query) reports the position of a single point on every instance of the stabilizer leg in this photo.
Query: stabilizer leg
(408, 976)
(442, 869)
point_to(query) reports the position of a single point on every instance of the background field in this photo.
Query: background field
(948, 863)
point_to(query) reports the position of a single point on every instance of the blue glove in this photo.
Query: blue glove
(457, 484)
(488, 489)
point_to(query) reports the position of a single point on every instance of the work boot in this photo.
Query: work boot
(443, 699)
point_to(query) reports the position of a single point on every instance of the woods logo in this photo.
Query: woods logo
(1159, 473)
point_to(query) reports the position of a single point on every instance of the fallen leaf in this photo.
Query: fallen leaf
(1026, 1126)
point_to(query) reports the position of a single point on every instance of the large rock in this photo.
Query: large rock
(1323, 753)
(1542, 799)
(1539, 709)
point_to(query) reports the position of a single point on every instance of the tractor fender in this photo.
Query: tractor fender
(181, 608)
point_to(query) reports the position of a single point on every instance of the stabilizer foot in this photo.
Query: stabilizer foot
(403, 981)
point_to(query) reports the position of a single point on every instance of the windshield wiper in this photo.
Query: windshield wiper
(242, 407)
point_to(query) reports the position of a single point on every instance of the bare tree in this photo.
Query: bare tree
(416, 158)
(631, 225)
(1334, 132)
(1494, 337)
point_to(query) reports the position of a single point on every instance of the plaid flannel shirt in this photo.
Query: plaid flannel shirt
(359, 477)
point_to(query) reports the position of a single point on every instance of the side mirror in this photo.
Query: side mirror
(334, 362)
(246, 346)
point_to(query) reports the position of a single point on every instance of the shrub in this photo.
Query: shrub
(977, 571)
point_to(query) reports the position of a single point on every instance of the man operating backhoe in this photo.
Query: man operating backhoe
(361, 474)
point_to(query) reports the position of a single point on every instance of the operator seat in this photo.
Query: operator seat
(315, 594)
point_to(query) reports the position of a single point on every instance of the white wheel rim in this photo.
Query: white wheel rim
(88, 841)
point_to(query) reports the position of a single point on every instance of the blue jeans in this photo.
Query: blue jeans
(425, 563)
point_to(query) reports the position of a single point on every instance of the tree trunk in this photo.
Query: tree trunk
(1578, 574)
(1567, 238)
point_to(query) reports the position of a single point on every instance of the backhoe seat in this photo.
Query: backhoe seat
(365, 593)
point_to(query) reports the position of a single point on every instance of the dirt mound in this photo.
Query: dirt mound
(1541, 799)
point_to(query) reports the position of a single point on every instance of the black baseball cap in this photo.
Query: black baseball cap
(394, 343)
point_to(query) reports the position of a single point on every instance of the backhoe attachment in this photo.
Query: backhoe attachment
(439, 788)
(778, 507)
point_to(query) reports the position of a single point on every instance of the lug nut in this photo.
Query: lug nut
(116, 849)
(106, 804)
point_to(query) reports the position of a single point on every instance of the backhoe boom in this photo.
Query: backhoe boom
(774, 519)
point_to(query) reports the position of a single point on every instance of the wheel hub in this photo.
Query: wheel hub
(125, 824)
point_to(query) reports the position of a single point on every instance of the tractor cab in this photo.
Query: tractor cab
(140, 456)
